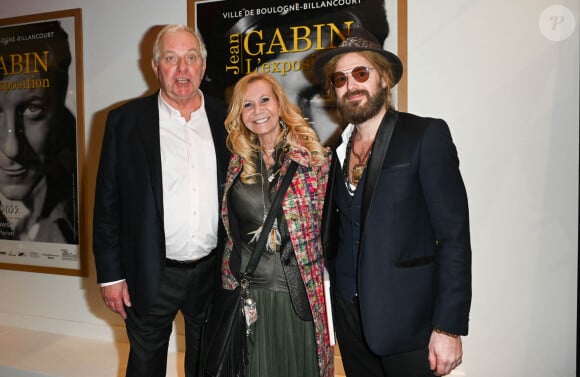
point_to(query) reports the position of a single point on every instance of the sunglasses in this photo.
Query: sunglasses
(360, 74)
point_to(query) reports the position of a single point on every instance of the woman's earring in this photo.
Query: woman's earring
(283, 125)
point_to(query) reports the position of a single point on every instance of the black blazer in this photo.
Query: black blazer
(414, 269)
(128, 230)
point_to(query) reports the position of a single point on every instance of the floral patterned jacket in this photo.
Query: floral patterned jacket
(302, 207)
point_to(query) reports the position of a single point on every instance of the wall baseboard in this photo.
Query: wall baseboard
(12, 372)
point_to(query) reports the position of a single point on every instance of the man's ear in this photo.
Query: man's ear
(383, 83)
(155, 68)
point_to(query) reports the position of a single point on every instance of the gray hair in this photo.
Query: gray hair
(172, 29)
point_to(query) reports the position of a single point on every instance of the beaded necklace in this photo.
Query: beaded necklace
(358, 169)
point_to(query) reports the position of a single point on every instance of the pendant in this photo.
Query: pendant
(357, 172)
(274, 238)
(273, 175)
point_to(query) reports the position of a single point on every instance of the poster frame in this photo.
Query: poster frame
(46, 257)
(400, 34)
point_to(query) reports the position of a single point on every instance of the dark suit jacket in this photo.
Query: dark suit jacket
(414, 269)
(128, 230)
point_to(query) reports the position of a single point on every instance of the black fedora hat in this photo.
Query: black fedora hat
(359, 40)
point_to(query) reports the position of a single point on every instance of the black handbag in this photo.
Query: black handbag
(224, 350)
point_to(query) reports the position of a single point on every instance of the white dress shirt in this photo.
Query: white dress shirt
(341, 152)
(189, 173)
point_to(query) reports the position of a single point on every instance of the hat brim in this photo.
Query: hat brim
(324, 57)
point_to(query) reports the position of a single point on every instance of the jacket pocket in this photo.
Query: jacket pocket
(415, 262)
(400, 165)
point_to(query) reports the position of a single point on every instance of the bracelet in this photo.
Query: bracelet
(439, 331)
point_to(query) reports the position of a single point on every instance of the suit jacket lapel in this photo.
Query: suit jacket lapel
(216, 116)
(329, 216)
(375, 165)
(148, 123)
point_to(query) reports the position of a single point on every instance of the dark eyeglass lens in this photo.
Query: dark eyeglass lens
(338, 79)
(360, 74)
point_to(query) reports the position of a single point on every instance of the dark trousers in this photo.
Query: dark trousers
(188, 289)
(358, 360)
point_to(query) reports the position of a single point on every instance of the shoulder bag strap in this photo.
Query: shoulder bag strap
(261, 243)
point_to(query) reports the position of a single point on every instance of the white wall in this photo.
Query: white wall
(511, 98)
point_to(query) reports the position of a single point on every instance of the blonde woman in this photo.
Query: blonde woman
(265, 133)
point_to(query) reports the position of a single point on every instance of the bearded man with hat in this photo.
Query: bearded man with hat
(396, 223)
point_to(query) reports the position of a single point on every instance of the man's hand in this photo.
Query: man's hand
(445, 353)
(116, 297)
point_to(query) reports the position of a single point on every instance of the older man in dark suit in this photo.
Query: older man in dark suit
(156, 205)
(396, 224)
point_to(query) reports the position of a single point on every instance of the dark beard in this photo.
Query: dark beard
(354, 113)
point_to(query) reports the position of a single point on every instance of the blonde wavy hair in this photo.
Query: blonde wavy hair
(244, 143)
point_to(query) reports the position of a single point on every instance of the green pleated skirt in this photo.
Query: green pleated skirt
(282, 345)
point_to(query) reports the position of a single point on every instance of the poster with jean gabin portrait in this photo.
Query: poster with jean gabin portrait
(40, 110)
(282, 38)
